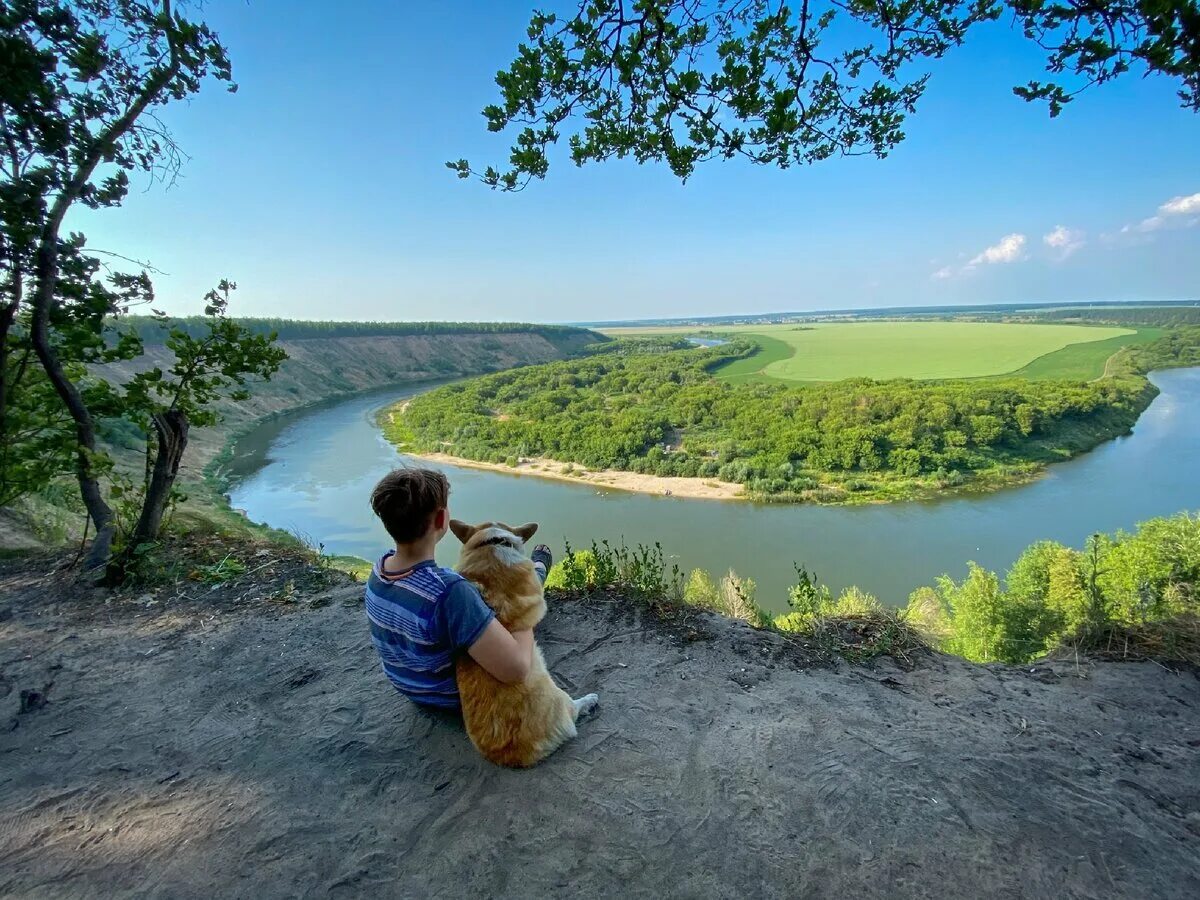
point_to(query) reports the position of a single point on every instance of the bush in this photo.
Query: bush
(1135, 583)
(812, 604)
(700, 590)
(642, 569)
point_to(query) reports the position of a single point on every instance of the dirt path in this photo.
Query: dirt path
(259, 753)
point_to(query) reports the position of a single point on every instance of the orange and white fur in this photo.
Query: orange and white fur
(511, 724)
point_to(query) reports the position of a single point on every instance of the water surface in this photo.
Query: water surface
(312, 473)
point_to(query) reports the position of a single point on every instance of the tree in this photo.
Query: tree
(82, 82)
(166, 404)
(686, 81)
(978, 611)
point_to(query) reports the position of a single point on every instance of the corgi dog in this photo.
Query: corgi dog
(518, 724)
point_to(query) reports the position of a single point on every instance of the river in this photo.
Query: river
(312, 472)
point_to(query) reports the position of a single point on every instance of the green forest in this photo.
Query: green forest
(653, 406)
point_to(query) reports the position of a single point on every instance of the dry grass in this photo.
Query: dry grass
(863, 637)
(1175, 640)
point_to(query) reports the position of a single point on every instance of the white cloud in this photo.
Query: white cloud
(1064, 240)
(1009, 248)
(1181, 206)
(1172, 214)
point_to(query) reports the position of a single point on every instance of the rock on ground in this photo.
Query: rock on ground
(187, 750)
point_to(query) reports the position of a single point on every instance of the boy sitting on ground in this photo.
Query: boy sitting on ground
(422, 615)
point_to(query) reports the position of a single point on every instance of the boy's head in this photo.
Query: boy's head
(411, 503)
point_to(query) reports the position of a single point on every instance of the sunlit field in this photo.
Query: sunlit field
(919, 350)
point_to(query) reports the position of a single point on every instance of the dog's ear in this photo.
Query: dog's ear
(525, 532)
(462, 530)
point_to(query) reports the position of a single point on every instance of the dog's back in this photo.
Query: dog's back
(510, 724)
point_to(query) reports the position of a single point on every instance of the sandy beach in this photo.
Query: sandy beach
(694, 488)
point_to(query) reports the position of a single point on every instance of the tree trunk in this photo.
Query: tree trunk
(171, 431)
(85, 427)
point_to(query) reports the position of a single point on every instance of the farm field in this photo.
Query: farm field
(1086, 360)
(920, 350)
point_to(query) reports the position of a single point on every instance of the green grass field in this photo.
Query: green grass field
(1085, 361)
(921, 350)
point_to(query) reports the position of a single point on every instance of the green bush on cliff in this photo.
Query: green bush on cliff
(1128, 582)
(1129, 594)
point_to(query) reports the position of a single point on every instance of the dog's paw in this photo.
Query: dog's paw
(586, 704)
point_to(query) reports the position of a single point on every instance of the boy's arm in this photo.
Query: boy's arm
(471, 625)
(506, 657)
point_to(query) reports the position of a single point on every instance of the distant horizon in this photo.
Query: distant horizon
(1049, 304)
(717, 319)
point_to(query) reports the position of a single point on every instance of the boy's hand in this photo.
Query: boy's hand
(506, 657)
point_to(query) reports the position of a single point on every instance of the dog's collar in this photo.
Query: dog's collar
(500, 539)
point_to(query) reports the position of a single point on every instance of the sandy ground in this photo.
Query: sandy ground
(541, 467)
(202, 748)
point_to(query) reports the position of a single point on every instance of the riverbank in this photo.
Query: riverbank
(857, 490)
(813, 776)
(540, 467)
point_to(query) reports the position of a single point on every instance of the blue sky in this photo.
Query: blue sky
(320, 188)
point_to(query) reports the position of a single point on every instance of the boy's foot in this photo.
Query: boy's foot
(542, 560)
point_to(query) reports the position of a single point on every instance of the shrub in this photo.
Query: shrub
(700, 590)
(1134, 584)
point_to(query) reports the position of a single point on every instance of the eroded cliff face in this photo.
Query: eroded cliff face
(320, 368)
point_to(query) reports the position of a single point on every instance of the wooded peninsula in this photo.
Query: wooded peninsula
(653, 406)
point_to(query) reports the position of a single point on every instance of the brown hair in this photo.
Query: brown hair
(406, 499)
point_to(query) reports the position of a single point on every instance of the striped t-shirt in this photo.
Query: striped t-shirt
(420, 618)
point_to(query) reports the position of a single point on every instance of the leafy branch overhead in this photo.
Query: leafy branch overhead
(687, 81)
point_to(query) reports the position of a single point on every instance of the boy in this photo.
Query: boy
(422, 615)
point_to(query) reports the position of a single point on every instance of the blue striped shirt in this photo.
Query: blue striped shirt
(420, 618)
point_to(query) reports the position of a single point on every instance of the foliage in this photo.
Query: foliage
(812, 602)
(1177, 348)
(37, 443)
(642, 570)
(648, 406)
(736, 599)
(1054, 595)
(686, 81)
(1124, 594)
(208, 363)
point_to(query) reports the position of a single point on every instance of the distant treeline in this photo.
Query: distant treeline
(1132, 315)
(649, 407)
(151, 330)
